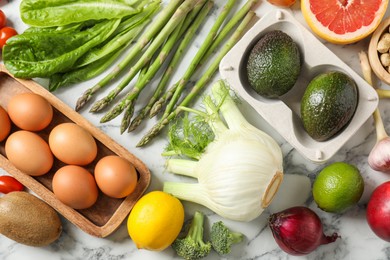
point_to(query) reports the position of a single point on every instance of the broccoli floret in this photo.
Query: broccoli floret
(192, 246)
(222, 238)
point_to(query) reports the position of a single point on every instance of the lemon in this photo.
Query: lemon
(155, 221)
(337, 187)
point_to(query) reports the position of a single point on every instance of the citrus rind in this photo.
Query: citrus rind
(346, 38)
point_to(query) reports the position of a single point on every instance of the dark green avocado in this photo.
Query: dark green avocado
(328, 104)
(274, 64)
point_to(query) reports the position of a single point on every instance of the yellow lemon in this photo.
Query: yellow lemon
(155, 221)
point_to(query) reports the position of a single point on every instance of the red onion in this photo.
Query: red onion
(298, 230)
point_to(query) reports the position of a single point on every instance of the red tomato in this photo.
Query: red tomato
(9, 183)
(5, 34)
(3, 19)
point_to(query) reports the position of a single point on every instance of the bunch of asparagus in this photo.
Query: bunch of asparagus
(170, 33)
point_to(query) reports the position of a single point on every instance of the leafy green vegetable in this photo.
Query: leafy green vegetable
(84, 73)
(128, 29)
(188, 137)
(100, 57)
(62, 12)
(41, 54)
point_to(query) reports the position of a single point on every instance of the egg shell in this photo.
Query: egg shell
(29, 153)
(115, 176)
(30, 111)
(72, 144)
(75, 186)
(5, 124)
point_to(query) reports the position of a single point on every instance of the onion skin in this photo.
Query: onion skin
(378, 211)
(379, 157)
(298, 230)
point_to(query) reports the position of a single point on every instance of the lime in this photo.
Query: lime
(337, 187)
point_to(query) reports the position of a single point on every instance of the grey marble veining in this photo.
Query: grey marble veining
(357, 240)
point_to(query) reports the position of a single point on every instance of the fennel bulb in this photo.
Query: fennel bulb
(239, 171)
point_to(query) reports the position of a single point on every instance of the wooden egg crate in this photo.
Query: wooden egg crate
(107, 214)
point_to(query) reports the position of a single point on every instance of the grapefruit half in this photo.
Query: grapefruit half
(343, 21)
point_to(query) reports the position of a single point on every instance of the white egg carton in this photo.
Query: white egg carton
(283, 114)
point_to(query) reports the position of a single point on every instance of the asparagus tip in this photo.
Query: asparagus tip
(82, 101)
(97, 106)
(134, 124)
(155, 109)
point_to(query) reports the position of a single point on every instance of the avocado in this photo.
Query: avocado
(28, 220)
(274, 64)
(328, 104)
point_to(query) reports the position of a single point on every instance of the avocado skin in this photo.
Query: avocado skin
(274, 64)
(328, 104)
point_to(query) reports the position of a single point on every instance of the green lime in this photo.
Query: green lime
(337, 187)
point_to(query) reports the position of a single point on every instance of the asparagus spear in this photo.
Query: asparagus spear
(130, 108)
(172, 65)
(133, 94)
(176, 91)
(148, 75)
(228, 27)
(171, 41)
(154, 28)
(156, 108)
(200, 84)
(177, 17)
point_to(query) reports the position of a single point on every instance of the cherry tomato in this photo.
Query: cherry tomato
(283, 3)
(3, 19)
(9, 183)
(5, 34)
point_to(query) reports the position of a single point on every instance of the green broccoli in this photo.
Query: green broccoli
(222, 238)
(192, 246)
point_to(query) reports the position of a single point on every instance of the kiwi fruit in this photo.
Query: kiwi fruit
(28, 220)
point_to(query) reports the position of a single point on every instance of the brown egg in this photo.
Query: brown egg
(115, 176)
(75, 186)
(5, 124)
(29, 153)
(72, 144)
(30, 111)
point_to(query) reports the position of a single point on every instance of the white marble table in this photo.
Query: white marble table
(357, 240)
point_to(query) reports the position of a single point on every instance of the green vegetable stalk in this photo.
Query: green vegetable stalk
(172, 65)
(130, 108)
(201, 83)
(143, 41)
(128, 102)
(176, 19)
(178, 88)
(132, 95)
(156, 108)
